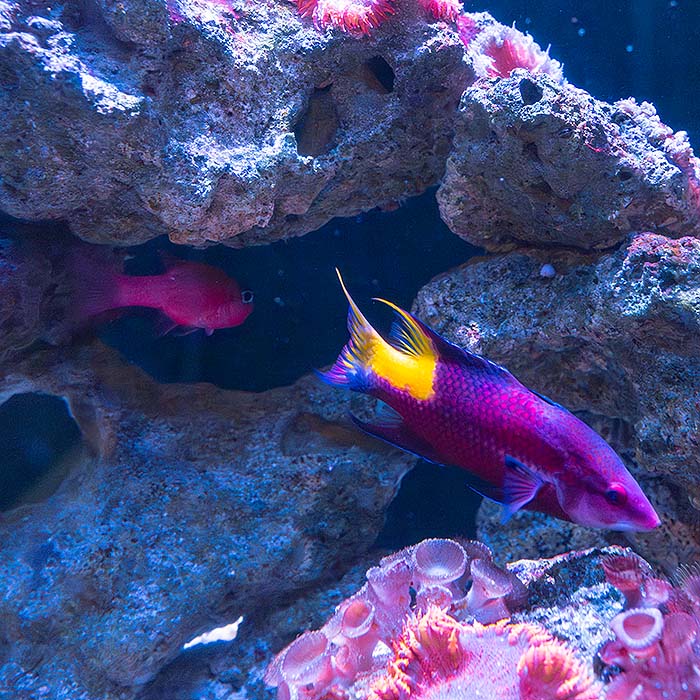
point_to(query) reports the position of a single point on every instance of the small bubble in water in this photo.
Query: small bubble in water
(673, 3)
(278, 301)
(629, 48)
(581, 31)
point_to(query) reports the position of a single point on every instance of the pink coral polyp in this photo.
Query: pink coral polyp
(448, 10)
(415, 594)
(439, 658)
(355, 17)
(498, 51)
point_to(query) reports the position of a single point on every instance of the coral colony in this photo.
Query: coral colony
(433, 621)
(656, 652)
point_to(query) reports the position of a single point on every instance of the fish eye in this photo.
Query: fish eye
(616, 494)
(247, 296)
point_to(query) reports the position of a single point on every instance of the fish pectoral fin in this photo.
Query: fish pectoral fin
(520, 486)
(390, 427)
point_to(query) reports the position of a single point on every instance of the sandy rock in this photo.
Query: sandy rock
(214, 120)
(541, 163)
(189, 507)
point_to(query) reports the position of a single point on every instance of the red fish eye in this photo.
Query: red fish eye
(616, 494)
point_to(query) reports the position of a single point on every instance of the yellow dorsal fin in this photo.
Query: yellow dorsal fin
(407, 335)
(407, 363)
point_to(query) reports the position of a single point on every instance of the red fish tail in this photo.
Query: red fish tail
(95, 286)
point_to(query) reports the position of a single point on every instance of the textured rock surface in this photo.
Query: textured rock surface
(536, 162)
(206, 120)
(203, 505)
(620, 342)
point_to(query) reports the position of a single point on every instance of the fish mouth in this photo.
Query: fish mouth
(650, 524)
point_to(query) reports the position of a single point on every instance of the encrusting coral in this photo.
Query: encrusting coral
(656, 652)
(412, 632)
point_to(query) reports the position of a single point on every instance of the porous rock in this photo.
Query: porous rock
(543, 163)
(191, 506)
(211, 120)
(615, 337)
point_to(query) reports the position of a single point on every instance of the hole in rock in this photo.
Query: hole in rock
(315, 131)
(530, 93)
(624, 175)
(38, 436)
(382, 73)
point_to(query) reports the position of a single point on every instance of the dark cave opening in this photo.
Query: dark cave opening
(383, 72)
(433, 501)
(316, 129)
(37, 433)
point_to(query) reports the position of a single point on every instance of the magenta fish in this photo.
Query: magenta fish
(191, 295)
(450, 406)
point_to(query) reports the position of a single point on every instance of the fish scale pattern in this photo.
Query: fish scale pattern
(475, 419)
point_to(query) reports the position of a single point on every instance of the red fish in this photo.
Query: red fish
(449, 406)
(192, 295)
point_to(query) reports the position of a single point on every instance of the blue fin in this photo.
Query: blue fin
(546, 399)
(391, 428)
(485, 489)
(520, 486)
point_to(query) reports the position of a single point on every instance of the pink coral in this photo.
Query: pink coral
(656, 652)
(356, 17)
(448, 10)
(439, 657)
(360, 17)
(497, 51)
(348, 647)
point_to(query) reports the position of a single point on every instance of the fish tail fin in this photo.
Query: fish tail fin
(94, 286)
(352, 369)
